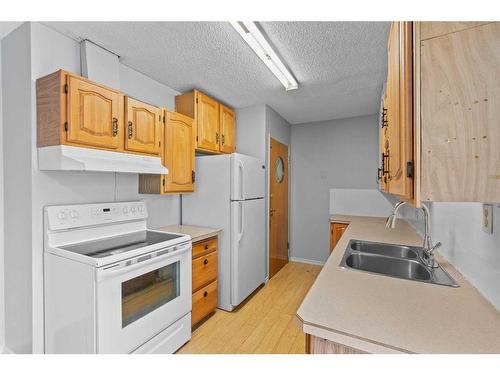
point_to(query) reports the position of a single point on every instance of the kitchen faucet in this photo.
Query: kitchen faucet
(428, 248)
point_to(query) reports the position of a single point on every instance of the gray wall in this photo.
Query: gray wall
(30, 52)
(324, 155)
(251, 131)
(255, 126)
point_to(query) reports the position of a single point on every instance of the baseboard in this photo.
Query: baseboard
(5, 350)
(308, 261)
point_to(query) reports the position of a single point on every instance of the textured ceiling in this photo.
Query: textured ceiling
(340, 66)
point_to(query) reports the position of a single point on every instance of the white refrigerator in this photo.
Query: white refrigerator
(229, 194)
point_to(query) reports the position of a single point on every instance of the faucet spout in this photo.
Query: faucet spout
(428, 247)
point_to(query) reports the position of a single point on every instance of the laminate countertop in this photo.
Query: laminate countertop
(381, 314)
(196, 233)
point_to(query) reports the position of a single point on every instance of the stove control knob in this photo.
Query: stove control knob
(125, 210)
(139, 208)
(73, 214)
(61, 215)
(132, 209)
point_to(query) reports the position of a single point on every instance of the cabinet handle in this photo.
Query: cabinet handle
(130, 130)
(206, 247)
(205, 293)
(384, 118)
(205, 262)
(217, 138)
(384, 156)
(223, 139)
(115, 126)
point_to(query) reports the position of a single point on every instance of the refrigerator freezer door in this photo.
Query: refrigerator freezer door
(247, 177)
(247, 248)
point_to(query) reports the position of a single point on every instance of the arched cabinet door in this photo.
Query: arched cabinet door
(179, 153)
(143, 131)
(94, 117)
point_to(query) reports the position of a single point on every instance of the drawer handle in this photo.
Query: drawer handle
(205, 293)
(205, 261)
(206, 246)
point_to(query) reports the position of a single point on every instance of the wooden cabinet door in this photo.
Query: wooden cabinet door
(179, 153)
(227, 130)
(460, 111)
(143, 127)
(399, 132)
(336, 231)
(207, 118)
(94, 117)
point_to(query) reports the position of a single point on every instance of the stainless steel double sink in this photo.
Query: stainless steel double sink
(404, 262)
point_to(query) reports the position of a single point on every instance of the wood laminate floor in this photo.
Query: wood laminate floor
(265, 323)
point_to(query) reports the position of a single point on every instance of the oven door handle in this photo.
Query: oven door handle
(148, 259)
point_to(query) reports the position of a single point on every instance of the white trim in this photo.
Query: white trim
(308, 261)
(6, 350)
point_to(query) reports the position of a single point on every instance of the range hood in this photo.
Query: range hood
(70, 158)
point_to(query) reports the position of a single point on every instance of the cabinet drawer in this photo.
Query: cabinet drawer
(204, 270)
(204, 247)
(204, 302)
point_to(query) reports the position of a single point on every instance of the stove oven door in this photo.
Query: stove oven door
(137, 299)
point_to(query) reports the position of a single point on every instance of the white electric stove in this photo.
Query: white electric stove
(112, 285)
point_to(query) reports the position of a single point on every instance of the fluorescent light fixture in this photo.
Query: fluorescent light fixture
(254, 38)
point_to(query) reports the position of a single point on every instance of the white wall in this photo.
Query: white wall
(458, 226)
(324, 155)
(2, 320)
(34, 51)
(17, 188)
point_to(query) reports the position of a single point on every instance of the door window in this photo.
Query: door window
(146, 293)
(279, 170)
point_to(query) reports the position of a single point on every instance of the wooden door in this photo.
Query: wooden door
(399, 136)
(179, 153)
(278, 207)
(336, 231)
(227, 130)
(207, 118)
(383, 179)
(143, 127)
(94, 117)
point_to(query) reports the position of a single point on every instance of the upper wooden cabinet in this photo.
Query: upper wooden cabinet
(177, 157)
(434, 29)
(454, 135)
(179, 153)
(227, 130)
(460, 109)
(397, 126)
(215, 128)
(72, 110)
(207, 123)
(143, 127)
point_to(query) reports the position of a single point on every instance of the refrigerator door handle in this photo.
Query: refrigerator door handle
(242, 178)
(242, 220)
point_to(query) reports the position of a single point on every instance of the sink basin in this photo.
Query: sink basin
(392, 260)
(396, 267)
(398, 251)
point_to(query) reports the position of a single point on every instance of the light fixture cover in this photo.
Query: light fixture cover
(256, 40)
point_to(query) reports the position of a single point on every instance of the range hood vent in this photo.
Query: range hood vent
(70, 158)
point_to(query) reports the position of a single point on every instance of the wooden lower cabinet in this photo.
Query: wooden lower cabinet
(336, 231)
(204, 279)
(318, 345)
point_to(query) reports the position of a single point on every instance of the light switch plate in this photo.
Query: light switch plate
(488, 218)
